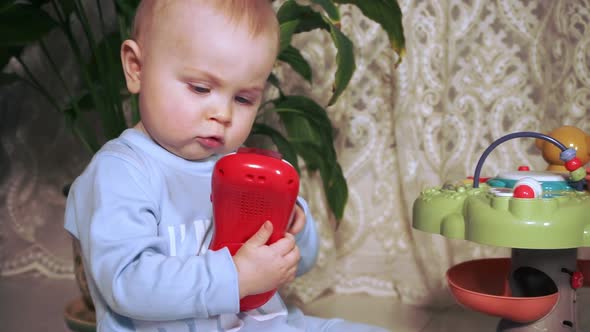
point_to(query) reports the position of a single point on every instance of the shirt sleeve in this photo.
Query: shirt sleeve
(307, 240)
(116, 221)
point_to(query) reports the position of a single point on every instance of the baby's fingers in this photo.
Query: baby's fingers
(298, 221)
(284, 245)
(292, 257)
(291, 274)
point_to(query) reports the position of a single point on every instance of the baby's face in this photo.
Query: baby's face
(202, 80)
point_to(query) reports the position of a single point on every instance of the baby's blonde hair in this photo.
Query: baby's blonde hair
(258, 15)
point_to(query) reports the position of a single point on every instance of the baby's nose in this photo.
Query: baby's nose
(222, 114)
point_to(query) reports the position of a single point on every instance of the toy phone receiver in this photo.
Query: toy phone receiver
(248, 188)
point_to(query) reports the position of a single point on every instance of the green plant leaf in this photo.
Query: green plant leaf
(311, 110)
(66, 6)
(312, 158)
(287, 30)
(336, 189)
(83, 100)
(127, 7)
(37, 3)
(333, 180)
(345, 64)
(307, 122)
(300, 132)
(308, 18)
(107, 51)
(108, 81)
(5, 4)
(330, 9)
(126, 14)
(293, 58)
(21, 24)
(310, 131)
(389, 15)
(274, 81)
(282, 144)
(300, 127)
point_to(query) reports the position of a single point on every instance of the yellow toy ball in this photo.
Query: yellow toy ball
(571, 137)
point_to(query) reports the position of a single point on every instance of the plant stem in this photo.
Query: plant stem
(108, 117)
(88, 139)
(115, 97)
(135, 109)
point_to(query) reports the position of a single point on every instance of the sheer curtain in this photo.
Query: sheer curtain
(474, 71)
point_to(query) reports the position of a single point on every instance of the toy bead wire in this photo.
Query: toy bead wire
(567, 155)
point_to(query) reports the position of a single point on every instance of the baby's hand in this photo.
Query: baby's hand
(298, 221)
(262, 268)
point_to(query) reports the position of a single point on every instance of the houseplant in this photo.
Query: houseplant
(99, 107)
(304, 130)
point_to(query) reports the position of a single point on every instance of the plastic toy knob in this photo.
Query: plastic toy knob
(578, 174)
(527, 188)
(573, 164)
(524, 191)
(577, 280)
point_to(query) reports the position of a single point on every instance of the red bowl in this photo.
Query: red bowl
(482, 285)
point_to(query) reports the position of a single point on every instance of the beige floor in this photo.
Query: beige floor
(36, 304)
(405, 318)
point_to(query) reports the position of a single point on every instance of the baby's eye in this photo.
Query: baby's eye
(243, 100)
(200, 89)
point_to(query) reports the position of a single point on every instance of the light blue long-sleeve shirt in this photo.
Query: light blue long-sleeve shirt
(143, 217)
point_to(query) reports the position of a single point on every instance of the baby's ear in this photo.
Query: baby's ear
(131, 60)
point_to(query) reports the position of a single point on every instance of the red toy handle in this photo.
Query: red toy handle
(248, 188)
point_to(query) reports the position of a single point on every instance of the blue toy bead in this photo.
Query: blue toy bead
(567, 155)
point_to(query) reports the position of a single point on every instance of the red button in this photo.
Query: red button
(524, 191)
(577, 280)
(523, 168)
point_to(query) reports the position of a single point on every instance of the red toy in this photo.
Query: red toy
(248, 188)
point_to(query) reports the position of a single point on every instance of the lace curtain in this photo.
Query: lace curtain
(474, 71)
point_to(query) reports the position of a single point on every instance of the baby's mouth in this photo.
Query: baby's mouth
(211, 142)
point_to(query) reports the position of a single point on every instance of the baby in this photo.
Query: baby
(141, 209)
